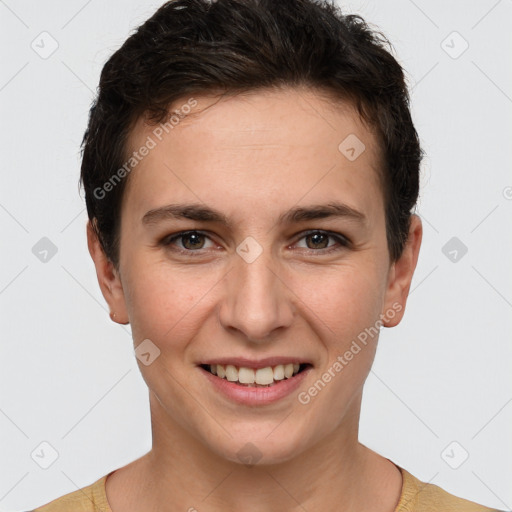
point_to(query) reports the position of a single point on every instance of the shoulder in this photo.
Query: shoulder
(88, 499)
(418, 496)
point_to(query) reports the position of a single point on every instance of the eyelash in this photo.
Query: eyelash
(343, 242)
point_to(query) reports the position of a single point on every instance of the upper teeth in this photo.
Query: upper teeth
(261, 376)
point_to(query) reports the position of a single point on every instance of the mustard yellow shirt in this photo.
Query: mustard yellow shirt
(416, 496)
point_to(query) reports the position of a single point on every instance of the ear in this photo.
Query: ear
(400, 276)
(108, 278)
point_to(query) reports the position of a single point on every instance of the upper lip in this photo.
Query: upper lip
(253, 363)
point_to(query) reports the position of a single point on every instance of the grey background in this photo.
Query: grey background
(68, 375)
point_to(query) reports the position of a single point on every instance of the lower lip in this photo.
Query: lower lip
(255, 395)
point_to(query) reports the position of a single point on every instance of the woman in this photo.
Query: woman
(251, 170)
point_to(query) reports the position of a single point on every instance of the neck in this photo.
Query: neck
(336, 473)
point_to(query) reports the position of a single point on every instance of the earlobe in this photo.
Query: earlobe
(401, 274)
(108, 278)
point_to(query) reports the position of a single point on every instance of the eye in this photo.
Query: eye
(321, 240)
(188, 241)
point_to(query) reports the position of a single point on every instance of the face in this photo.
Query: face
(249, 238)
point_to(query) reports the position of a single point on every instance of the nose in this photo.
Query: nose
(257, 303)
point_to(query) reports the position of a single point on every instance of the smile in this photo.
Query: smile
(255, 377)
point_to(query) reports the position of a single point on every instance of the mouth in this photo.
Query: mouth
(265, 377)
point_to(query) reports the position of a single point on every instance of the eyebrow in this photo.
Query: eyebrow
(322, 211)
(184, 211)
(203, 213)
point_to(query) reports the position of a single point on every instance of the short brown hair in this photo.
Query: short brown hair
(198, 46)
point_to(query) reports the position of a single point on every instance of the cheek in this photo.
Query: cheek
(165, 305)
(346, 305)
(344, 300)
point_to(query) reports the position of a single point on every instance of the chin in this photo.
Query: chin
(260, 449)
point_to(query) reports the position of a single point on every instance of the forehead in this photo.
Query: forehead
(262, 148)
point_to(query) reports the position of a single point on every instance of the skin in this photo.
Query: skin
(253, 157)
